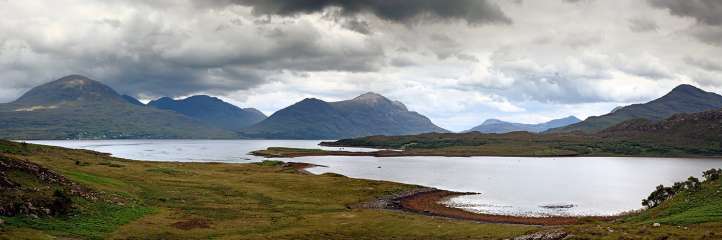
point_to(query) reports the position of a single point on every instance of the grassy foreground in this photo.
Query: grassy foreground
(153, 200)
(224, 201)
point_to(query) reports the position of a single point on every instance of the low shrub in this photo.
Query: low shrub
(712, 174)
(662, 193)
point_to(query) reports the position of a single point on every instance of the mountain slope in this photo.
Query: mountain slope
(212, 111)
(75, 107)
(365, 115)
(702, 129)
(498, 126)
(682, 99)
(132, 100)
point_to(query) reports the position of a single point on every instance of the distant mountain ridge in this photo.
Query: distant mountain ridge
(683, 129)
(498, 126)
(682, 99)
(365, 115)
(212, 111)
(76, 107)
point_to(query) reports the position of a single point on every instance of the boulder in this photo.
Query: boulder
(548, 235)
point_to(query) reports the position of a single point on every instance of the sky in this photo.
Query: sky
(458, 62)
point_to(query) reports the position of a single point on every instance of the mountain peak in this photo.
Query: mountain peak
(686, 88)
(563, 121)
(369, 95)
(684, 98)
(311, 101)
(499, 126)
(67, 89)
(202, 98)
(73, 77)
(372, 98)
(211, 110)
(684, 93)
(366, 115)
(492, 121)
(571, 117)
(74, 81)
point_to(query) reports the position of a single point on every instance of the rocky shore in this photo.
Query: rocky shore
(427, 201)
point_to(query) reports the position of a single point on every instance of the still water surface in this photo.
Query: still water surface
(521, 186)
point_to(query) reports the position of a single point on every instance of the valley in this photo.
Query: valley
(361, 120)
(269, 199)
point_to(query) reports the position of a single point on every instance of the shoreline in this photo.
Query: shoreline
(428, 203)
(283, 152)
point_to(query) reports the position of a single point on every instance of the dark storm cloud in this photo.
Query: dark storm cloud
(357, 26)
(143, 55)
(705, 11)
(472, 11)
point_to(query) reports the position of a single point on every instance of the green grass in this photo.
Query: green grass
(238, 201)
(270, 163)
(94, 221)
(686, 208)
(95, 180)
(8, 147)
(169, 171)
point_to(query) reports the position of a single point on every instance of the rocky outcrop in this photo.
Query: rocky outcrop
(393, 201)
(31, 190)
(548, 235)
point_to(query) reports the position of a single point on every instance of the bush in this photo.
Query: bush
(712, 174)
(662, 193)
(693, 184)
(657, 197)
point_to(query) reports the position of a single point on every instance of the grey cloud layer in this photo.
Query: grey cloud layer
(473, 11)
(447, 59)
(177, 48)
(708, 13)
(173, 52)
(705, 11)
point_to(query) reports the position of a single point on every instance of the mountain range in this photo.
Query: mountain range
(365, 115)
(212, 111)
(499, 126)
(76, 107)
(682, 99)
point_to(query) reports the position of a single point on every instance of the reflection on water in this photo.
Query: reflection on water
(507, 185)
